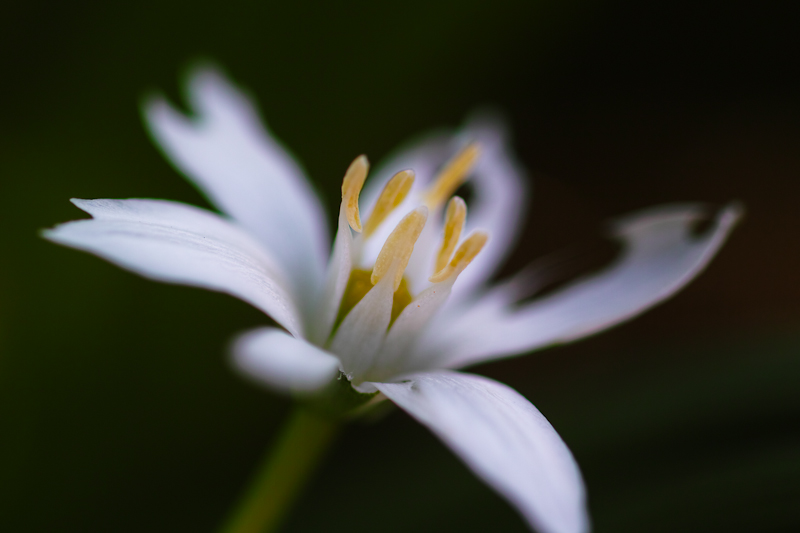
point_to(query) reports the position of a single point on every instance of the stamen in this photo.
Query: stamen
(399, 245)
(453, 224)
(452, 175)
(351, 188)
(463, 256)
(392, 195)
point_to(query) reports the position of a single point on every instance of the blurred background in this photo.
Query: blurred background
(118, 409)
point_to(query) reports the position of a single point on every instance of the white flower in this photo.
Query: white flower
(402, 327)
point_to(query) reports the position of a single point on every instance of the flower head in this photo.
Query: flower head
(402, 300)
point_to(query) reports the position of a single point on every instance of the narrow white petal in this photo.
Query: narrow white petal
(361, 333)
(661, 256)
(500, 195)
(339, 268)
(178, 243)
(504, 439)
(233, 159)
(275, 358)
(422, 263)
(396, 356)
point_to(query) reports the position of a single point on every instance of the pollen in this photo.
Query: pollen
(398, 247)
(351, 188)
(454, 219)
(463, 256)
(452, 176)
(392, 196)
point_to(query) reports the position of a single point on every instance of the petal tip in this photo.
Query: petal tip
(80, 203)
(733, 213)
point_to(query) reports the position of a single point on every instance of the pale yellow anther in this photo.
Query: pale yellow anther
(397, 249)
(351, 188)
(392, 195)
(454, 219)
(452, 176)
(463, 256)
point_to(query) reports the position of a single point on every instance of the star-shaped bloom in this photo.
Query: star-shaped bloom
(402, 300)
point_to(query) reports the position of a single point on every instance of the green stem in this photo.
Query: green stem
(282, 473)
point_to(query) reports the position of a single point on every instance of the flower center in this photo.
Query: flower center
(395, 254)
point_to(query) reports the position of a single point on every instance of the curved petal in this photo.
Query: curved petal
(496, 206)
(424, 154)
(233, 159)
(284, 363)
(498, 203)
(178, 243)
(504, 439)
(661, 256)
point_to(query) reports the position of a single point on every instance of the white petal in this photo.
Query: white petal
(361, 333)
(178, 243)
(339, 268)
(421, 265)
(497, 205)
(275, 358)
(500, 196)
(245, 172)
(424, 154)
(504, 439)
(396, 355)
(661, 256)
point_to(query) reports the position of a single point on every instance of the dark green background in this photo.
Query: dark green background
(118, 411)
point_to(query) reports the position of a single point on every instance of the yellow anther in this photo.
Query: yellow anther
(454, 219)
(452, 175)
(397, 249)
(392, 195)
(463, 256)
(351, 188)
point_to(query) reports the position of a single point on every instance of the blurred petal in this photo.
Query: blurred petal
(504, 439)
(662, 255)
(233, 159)
(275, 358)
(498, 203)
(178, 243)
(423, 154)
(496, 206)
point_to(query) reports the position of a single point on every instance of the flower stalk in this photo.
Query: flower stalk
(284, 471)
